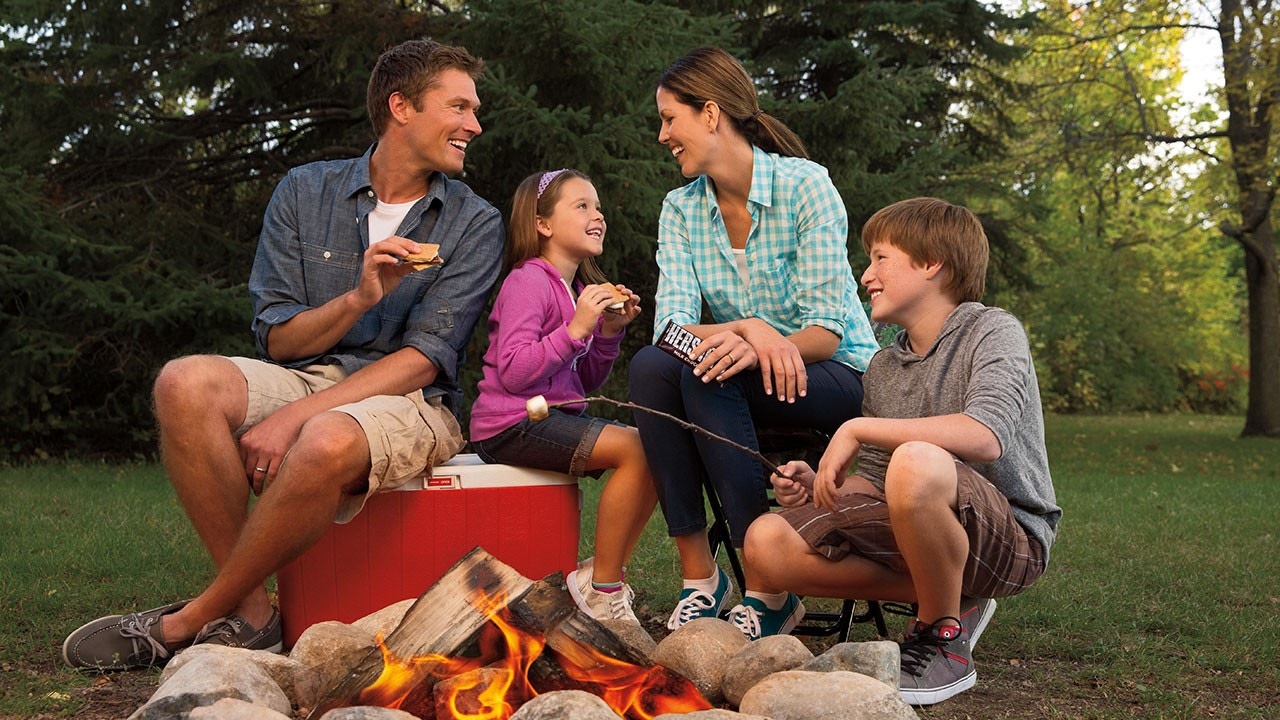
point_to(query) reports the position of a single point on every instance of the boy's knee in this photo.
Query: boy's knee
(918, 471)
(765, 536)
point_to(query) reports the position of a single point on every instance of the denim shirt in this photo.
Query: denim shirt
(314, 235)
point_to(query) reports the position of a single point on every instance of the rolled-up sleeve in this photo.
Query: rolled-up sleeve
(440, 325)
(822, 259)
(679, 297)
(276, 288)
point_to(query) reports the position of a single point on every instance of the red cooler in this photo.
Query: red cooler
(405, 540)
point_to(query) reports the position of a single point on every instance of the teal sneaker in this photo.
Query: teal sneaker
(694, 604)
(756, 620)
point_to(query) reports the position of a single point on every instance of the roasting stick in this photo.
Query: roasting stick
(538, 410)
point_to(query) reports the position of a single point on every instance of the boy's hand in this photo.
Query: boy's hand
(834, 466)
(794, 486)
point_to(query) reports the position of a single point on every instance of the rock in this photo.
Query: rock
(716, 714)
(560, 704)
(329, 650)
(700, 651)
(233, 709)
(208, 678)
(759, 659)
(840, 695)
(384, 620)
(879, 659)
(367, 712)
(299, 682)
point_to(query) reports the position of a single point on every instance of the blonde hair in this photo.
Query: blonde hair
(411, 68)
(932, 230)
(523, 240)
(712, 75)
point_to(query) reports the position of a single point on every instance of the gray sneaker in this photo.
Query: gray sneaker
(235, 631)
(937, 663)
(122, 642)
(975, 613)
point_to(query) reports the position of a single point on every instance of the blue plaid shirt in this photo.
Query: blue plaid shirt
(797, 257)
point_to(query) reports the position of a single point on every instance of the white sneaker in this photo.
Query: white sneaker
(600, 605)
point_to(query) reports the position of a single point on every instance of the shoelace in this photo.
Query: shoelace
(746, 619)
(620, 604)
(918, 649)
(139, 633)
(692, 606)
(224, 627)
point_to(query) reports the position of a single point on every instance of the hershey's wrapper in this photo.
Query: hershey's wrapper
(678, 342)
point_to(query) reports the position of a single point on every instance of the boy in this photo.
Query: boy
(952, 501)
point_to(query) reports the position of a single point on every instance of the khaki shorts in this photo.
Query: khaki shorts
(1003, 560)
(407, 434)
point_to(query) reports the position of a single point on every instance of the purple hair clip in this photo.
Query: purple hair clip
(547, 177)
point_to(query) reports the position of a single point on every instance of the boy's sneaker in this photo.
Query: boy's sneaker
(756, 620)
(694, 604)
(235, 631)
(937, 663)
(975, 613)
(600, 605)
(122, 642)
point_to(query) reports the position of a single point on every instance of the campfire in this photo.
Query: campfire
(484, 640)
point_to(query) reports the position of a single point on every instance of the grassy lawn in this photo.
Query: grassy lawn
(1161, 600)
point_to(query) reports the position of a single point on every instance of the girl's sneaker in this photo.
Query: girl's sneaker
(600, 605)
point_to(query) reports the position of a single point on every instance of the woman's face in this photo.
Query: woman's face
(684, 132)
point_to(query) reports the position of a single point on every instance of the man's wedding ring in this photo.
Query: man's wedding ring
(261, 470)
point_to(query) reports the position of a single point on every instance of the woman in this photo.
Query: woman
(759, 237)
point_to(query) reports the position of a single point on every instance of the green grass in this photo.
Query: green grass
(1161, 600)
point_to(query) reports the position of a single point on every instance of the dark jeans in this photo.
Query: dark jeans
(680, 459)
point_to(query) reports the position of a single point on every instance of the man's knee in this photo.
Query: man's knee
(330, 447)
(194, 383)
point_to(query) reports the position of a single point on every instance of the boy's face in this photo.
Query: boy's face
(896, 284)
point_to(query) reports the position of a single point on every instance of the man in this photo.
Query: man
(358, 386)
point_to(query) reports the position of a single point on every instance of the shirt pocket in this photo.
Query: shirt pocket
(329, 272)
(775, 287)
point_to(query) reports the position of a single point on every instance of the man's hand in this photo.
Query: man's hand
(794, 485)
(381, 270)
(263, 447)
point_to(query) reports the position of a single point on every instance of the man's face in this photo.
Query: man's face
(445, 122)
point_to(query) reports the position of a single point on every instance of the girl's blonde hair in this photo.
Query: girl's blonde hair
(535, 198)
(712, 75)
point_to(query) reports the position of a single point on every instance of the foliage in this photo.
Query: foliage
(148, 136)
(1133, 290)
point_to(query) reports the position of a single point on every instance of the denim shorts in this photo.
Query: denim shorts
(560, 443)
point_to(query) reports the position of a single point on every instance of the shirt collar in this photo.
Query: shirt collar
(359, 182)
(761, 191)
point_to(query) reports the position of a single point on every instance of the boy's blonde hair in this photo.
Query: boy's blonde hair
(535, 199)
(932, 230)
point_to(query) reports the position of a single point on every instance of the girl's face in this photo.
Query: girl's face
(684, 131)
(576, 225)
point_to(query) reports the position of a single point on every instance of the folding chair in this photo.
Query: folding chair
(781, 445)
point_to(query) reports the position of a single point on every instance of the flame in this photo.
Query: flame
(495, 682)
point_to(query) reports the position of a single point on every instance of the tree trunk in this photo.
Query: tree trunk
(1252, 89)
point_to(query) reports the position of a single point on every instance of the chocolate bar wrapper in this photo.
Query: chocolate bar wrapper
(678, 342)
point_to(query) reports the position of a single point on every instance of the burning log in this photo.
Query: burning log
(484, 639)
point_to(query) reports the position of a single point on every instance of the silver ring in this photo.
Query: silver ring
(261, 470)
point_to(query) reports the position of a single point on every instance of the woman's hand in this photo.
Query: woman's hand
(723, 355)
(781, 365)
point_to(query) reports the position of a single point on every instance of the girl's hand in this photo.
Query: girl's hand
(795, 485)
(592, 302)
(615, 321)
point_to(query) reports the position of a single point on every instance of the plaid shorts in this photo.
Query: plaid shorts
(1003, 560)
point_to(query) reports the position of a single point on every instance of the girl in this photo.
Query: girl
(552, 333)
